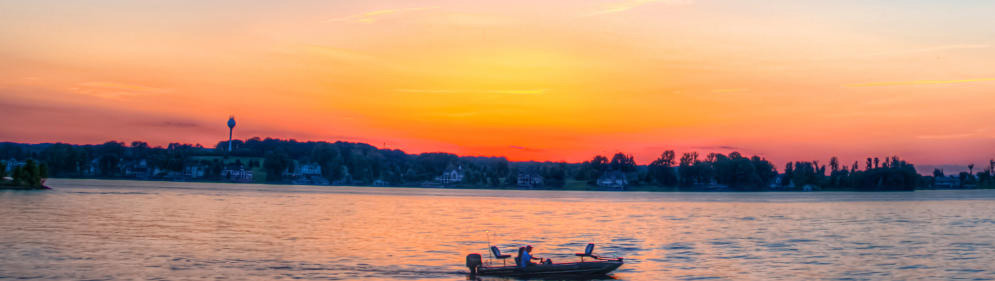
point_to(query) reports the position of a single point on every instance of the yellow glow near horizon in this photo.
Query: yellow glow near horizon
(920, 82)
(554, 80)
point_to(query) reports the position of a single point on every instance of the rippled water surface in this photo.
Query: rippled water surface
(91, 229)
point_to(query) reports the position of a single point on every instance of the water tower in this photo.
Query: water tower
(231, 127)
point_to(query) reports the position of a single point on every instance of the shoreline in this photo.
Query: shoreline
(574, 188)
(23, 188)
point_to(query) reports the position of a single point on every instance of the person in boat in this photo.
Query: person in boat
(525, 257)
(518, 258)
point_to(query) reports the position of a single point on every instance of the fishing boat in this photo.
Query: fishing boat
(596, 266)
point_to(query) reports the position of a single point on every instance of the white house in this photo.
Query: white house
(529, 180)
(12, 163)
(194, 171)
(312, 169)
(236, 173)
(451, 176)
(613, 179)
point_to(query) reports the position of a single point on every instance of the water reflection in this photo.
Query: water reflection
(157, 230)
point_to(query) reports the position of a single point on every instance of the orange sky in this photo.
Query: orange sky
(559, 80)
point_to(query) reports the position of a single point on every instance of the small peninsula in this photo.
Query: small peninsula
(28, 176)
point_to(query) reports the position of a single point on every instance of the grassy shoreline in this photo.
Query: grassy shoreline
(11, 186)
(569, 187)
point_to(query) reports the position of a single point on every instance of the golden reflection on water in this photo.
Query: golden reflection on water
(143, 230)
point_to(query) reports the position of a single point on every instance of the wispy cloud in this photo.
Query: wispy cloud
(374, 16)
(465, 91)
(457, 114)
(947, 136)
(717, 147)
(173, 124)
(933, 49)
(522, 148)
(475, 19)
(340, 54)
(347, 56)
(730, 90)
(114, 90)
(978, 133)
(517, 92)
(622, 6)
(919, 82)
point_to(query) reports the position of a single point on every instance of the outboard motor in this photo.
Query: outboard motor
(474, 262)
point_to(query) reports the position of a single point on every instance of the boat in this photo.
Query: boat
(596, 266)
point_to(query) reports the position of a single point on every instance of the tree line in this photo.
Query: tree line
(982, 179)
(363, 164)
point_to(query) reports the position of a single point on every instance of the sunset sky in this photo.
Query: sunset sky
(549, 80)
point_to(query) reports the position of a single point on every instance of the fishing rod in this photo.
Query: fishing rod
(490, 260)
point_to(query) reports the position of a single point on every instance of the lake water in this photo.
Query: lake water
(93, 229)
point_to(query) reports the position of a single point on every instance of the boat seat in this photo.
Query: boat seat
(588, 252)
(498, 255)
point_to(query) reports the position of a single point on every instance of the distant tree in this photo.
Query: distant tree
(804, 174)
(599, 163)
(30, 174)
(667, 158)
(704, 171)
(688, 170)
(838, 176)
(968, 178)
(328, 157)
(275, 163)
(42, 172)
(662, 171)
(898, 175)
(937, 173)
(743, 175)
(623, 162)
(109, 165)
(984, 178)
(554, 174)
(789, 172)
(139, 150)
(215, 167)
(63, 159)
(593, 169)
(765, 170)
(18, 175)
